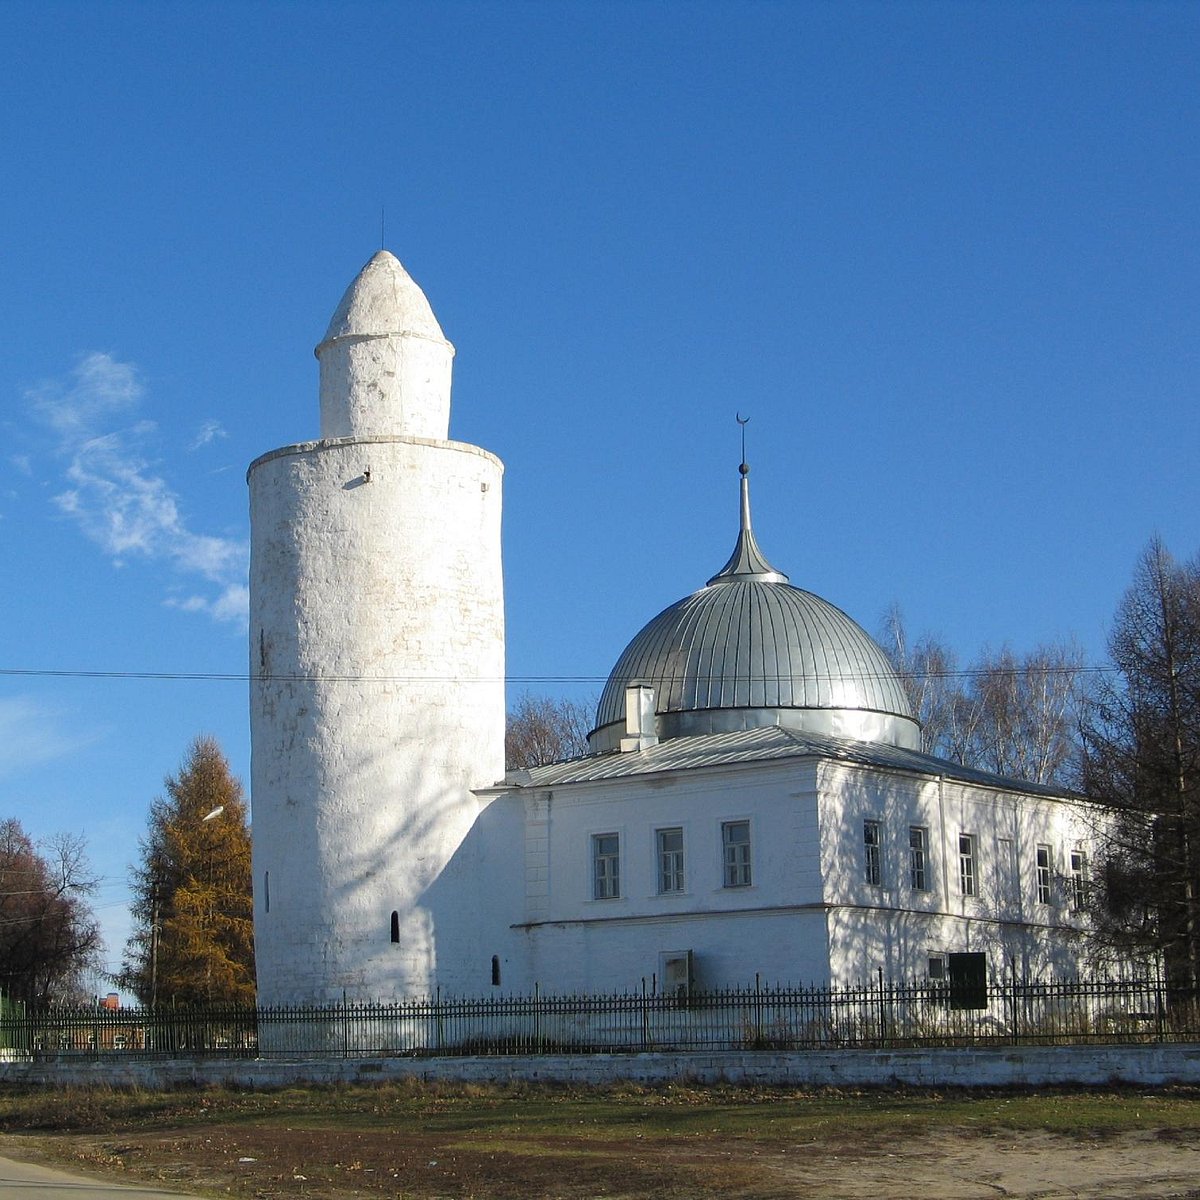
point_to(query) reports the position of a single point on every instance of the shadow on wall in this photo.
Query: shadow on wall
(905, 892)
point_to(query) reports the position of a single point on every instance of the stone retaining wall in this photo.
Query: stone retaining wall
(1153, 1065)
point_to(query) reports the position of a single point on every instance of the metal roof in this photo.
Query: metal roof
(744, 644)
(767, 744)
(750, 641)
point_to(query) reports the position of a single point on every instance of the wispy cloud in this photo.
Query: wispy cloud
(114, 494)
(32, 733)
(210, 431)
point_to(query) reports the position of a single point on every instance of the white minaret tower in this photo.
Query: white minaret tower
(376, 658)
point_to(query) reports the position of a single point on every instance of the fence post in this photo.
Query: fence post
(1159, 1009)
(537, 1024)
(1014, 1036)
(882, 1009)
(758, 1031)
(645, 1019)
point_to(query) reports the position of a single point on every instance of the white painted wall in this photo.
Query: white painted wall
(810, 916)
(376, 615)
(896, 928)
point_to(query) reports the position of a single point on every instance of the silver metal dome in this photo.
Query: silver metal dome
(749, 650)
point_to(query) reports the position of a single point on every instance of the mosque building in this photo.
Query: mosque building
(754, 802)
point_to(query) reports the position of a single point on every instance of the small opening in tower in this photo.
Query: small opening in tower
(267, 891)
(495, 970)
(395, 926)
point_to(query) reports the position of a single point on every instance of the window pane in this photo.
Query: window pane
(1078, 880)
(916, 859)
(1043, 874)
(606, 862)
(966, 864)
(670, 860)
(872, 866)
(736, 838)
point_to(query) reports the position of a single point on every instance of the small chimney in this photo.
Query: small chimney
(641, 727)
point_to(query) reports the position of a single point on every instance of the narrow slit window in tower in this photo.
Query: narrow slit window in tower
(495, 970)
(395, 927)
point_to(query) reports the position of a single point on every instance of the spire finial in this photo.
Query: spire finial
(747, 561)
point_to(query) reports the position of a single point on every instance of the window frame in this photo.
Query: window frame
(671, 864)
(1079, 880)
(606, 866)
(918, 858)
(968, 864)
(1044, 873)
(737, 868)
(873, 852)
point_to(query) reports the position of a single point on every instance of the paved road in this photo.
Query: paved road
(23, 1181)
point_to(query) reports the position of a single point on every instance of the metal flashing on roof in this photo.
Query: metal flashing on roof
(762, 745)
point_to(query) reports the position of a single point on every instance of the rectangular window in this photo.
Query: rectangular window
(918, 857)
(937, 968)
(670, 860)
(1079, 880)
(872, 868)
(966, 864)
(735, 838)
(606, 866)
(1043, 874)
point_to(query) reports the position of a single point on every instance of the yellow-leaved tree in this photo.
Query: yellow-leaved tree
(194, 938)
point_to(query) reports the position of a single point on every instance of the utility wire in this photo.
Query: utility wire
(246, 677)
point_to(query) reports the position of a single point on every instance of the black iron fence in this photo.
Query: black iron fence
(879, 1015)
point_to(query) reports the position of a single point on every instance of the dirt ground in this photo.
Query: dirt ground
(324, 1164)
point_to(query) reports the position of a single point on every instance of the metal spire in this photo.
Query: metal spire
(747, 562)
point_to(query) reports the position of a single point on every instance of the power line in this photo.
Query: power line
(246, 677)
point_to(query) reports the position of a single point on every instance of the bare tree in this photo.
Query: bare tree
(545, 729)
(1013, 715)
(49, 939)
(928, 671)
(1019, 716)
(1142, 755)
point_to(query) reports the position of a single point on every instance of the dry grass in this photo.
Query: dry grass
(423, 1141)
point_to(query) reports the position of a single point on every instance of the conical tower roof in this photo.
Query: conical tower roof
(383, 299)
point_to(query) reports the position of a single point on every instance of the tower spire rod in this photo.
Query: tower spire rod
(744, 471)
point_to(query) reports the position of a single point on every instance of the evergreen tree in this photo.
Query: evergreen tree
(192, 891)
(1142, 755)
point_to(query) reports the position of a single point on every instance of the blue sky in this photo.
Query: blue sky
(944, 255)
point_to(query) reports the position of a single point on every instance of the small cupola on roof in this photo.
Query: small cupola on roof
(750, 650)
(385, 363)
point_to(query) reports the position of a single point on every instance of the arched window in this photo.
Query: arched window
(395, 926)
(495, 970)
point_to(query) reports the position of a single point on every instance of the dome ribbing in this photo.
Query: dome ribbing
(747, 650)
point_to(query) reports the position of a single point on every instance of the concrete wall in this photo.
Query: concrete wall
(1029, 1066)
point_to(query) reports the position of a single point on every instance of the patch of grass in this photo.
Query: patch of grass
(532, 1141)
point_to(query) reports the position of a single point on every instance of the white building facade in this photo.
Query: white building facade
(755, 804)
